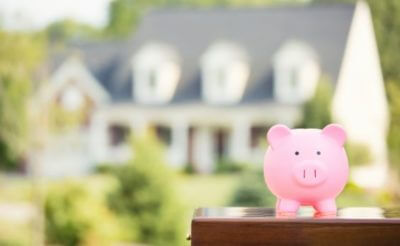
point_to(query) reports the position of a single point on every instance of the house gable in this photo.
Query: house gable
(360, 101)
(74, 75)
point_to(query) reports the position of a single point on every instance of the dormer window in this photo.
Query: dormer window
(156, 73)
(296, 73)
(225, 71)
(152, 80)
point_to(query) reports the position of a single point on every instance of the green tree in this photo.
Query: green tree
(124, 15)
(145, 197)
(317, 114)
(317, 111)
(19, 56)
(393, 89)
(67, 29)
(386, 17)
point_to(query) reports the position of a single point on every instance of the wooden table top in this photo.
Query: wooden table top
(259, 226)
(305, 214)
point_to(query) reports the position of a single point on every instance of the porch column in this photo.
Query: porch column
(203, 150)
(240, 141)
(178, 152)
(98, 138)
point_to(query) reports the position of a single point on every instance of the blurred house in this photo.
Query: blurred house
(211, 82)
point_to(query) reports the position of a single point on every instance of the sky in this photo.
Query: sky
(35, 14)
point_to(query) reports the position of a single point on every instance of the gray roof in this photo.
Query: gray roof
(260, 32)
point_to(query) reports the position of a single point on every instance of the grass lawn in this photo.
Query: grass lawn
(205, 191)
(15, 189)
(15, 193)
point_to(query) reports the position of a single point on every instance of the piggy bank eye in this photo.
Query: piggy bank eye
(318, 152)
(297, 153)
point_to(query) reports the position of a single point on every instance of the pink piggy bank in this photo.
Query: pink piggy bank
(306, 167)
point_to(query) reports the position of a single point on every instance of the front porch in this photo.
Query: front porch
(200, 142)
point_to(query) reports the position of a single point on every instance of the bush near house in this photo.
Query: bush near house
(230, 166)
(316, 111)
(77, 214)
(145, 196)
(252, 191)
(317, 114)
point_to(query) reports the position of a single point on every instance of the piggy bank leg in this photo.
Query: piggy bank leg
(326, 207)
(286, 208)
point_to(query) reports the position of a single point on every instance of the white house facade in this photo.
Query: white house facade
(211, 82)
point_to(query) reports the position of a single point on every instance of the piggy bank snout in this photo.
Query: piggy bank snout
(309, 173)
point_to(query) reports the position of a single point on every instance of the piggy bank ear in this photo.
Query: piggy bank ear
(276, 134)
(336, 132)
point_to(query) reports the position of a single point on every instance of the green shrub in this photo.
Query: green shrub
(393, 89)
(317, 111)
(252, 191)
(145, 196)
(77, 214)
(189, 169)
(103, 168)
(229, 166)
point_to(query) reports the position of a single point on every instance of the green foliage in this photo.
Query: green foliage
(145, 196)
(68, 29)
(354, 195)
(77, 214)
(386, 20)
(316, 112)
(358, 153)
(189, 169)
(123, 17)
(394, 130)
(229, 166)
(252, 191)
(19, 55)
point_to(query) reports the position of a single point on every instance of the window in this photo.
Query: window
(258, 135)
(221, 78)
(224, 72)
(152, 80)
(293, 79)
(118, 134)
(163, 134)
(221, 143)
(152, 64)
(293, 82)
(296, 73)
